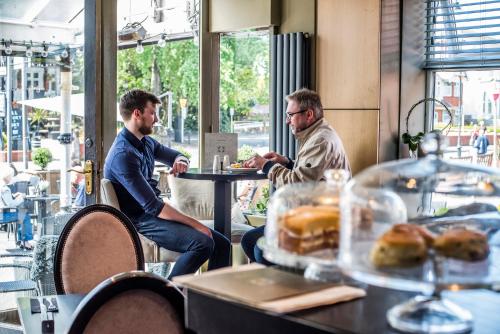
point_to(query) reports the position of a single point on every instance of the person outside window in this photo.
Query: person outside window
(481, 143)
(16, 200)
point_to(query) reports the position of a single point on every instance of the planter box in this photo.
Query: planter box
(17, 155)
(255, 220)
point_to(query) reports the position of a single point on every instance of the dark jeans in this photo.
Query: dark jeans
(195, 246)
(249, 245)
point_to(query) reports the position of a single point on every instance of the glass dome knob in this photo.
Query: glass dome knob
(434, 143)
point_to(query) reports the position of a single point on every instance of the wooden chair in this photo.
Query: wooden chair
(96, 243)
(463, 158)
(485, 159)
(132, 302)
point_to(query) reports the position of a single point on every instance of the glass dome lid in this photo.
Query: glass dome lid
(422, 224)
(302, 225)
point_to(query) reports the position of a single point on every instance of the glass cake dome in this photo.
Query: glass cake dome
(423, 225)
(302, 228)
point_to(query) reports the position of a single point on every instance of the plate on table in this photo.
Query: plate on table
(241, 170)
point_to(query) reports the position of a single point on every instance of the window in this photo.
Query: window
(463, 54)
(244, 89)
(244, 104)
(166, 63)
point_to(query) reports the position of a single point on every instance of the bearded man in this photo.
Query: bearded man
(129, 166)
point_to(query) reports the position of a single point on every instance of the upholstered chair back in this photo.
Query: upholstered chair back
(134, 302)
(96, 243)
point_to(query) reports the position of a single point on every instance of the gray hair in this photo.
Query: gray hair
(307, 99)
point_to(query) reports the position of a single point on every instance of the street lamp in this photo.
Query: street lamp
(231, 114)
(183, 104)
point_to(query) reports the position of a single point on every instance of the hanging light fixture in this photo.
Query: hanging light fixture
(45, 51)
(8, 48)
(29, 51)
(139, 49)
(65, 53)
(162, 41)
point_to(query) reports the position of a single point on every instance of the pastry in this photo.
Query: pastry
(422, 231)
(463, 244)
(309, 228)
(401, 246)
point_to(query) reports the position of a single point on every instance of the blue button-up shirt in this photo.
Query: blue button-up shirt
(129, 166)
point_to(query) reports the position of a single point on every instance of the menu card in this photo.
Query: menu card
(220, 144)
(269, 288)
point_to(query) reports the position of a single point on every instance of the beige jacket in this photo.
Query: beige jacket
(320, 148)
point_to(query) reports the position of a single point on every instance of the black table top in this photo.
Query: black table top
(364, 315)
(209, 174)
(32, 322)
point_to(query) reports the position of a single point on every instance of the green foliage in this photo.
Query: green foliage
(177, 66)
(42, 157)
(261, 205)
(4, 140)
(244, 75)
(183, 151)
(38, 117)
(413, 141)
(441, 211)
(245, 152)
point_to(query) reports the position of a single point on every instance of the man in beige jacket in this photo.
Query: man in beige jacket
(320, 148)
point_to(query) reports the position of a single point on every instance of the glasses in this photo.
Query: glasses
(290, 115)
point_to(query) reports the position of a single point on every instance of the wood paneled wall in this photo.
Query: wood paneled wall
(348, 74)
(360, 141)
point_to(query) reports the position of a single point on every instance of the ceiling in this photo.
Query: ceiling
(50, 21)
(59, 22)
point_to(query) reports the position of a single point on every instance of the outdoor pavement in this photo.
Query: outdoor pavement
(7, 300)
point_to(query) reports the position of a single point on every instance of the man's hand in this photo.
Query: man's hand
(255, 162)
(180, 166)
(203, 229)
(168, 212)
(275, 157)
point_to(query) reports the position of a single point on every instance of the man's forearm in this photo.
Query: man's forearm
(170, 213)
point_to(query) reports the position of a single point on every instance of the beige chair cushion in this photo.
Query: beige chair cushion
(194, 198)
(152, 252)
(135, 311)
(108, 194)
(97, 247)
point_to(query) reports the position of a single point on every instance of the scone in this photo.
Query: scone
(401, 246)
(462, 244)
(422, 231)
(309, 228)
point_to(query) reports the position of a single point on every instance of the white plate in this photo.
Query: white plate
(241, 170)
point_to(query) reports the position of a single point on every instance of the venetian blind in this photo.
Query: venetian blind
(462, 34)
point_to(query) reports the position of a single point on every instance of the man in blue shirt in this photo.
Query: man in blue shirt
(129, 166)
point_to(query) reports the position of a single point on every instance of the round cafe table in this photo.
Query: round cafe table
(222, 192)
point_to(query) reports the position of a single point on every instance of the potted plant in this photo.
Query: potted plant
(42, 157)
(245, 152)
(414, 141)
(257, 216)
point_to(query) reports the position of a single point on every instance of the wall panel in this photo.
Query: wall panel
(348, 53)
(358, 130)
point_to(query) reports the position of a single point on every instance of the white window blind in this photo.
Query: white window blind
(462, 34)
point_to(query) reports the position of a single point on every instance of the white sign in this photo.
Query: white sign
(220, 144)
